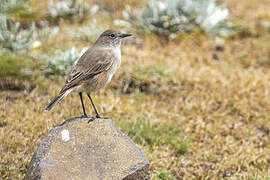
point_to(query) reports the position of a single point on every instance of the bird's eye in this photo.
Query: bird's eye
(112, 35)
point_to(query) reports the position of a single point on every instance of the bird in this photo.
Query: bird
(94, 69)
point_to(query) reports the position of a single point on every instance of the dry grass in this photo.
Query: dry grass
(219, 109)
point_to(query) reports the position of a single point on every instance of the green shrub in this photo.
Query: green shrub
(87, 33)
(70, 8)
(172, 17)
(12, 38)
(10, 6)
(62, 62)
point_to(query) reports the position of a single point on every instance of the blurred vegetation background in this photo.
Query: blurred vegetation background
(193, 89)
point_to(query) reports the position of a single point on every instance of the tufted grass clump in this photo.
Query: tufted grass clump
(156, 134)
(163, 175)
(15, 66)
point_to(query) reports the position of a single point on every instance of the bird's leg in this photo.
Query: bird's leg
(97, 115)
(84, 113)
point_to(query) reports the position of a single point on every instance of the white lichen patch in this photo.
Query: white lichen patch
(65, 135)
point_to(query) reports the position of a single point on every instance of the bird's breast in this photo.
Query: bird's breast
(117, 53)
(116, 63)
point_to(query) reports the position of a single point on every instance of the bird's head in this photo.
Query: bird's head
(111, 38)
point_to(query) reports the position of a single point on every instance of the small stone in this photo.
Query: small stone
(219, 48)
(80, 150)
(215, 56)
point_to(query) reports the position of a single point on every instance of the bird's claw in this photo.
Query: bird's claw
(99, 117)
(84, 116)
(90, 119)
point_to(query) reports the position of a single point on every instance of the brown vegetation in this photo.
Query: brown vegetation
(214, 101)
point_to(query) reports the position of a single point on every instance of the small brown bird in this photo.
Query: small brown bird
(94, 69)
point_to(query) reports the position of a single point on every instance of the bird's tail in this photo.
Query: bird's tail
(57, 99)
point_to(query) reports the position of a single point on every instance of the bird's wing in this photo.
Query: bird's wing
(91, 63)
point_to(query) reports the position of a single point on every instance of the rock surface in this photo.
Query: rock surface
(80, 150)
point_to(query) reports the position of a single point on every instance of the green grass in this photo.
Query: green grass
(163, 175)
(157, 72)
(156, 135)
(16, 66)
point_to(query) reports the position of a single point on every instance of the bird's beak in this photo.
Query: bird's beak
(125, 35)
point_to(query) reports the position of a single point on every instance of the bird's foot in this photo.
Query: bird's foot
(104, 118)
(98, 117)
(84, 116)
(90, 119)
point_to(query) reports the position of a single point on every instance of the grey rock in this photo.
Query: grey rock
(80, 150)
